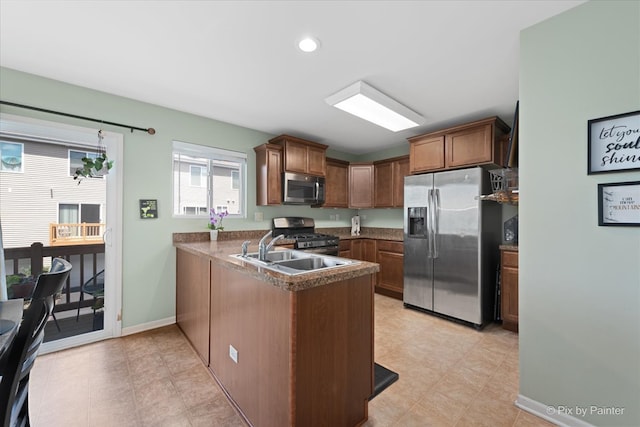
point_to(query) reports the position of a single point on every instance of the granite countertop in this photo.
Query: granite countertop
(219, 251)
(509, 247)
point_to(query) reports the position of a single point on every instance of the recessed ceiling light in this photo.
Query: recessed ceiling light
(308, 44)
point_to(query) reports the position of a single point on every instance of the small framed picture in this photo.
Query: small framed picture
(148, 208)
(619, 204)
(614, 143)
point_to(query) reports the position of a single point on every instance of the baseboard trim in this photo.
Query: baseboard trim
(148, 326)
(549, 413)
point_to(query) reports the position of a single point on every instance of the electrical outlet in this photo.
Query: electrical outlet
(258, 216)
(364, 217)
(233, 353)
(337, 217)
(332, 217)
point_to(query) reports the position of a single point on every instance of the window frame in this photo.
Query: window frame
(22, 159)
(213, 155)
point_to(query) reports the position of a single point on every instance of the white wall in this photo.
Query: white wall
(579, 283)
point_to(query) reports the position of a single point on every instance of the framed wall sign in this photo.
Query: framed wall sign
(614, 143)
(148, 208)
(619, 204)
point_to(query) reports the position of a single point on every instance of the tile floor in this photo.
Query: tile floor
(450, 375)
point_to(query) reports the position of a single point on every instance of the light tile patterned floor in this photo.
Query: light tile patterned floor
(450, 375)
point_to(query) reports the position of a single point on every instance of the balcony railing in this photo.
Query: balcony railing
(75, 234)
(87, 261)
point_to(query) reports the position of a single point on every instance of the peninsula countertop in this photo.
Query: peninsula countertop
(220, 251)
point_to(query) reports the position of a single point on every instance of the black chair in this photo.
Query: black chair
(17, 362)
(95, 288)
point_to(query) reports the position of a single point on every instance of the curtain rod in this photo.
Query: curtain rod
(150, 131)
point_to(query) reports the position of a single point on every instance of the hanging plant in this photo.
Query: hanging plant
(94, 167)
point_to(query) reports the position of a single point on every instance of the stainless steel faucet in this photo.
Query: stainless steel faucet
(264, 248)
(245, 247)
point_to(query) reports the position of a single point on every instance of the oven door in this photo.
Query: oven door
(302, 189)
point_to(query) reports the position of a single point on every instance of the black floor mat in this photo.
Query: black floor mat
(383, 378)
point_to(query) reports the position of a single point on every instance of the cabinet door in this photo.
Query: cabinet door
(400, 170)
(316, 161)
(427, 154)
(369, 250)
(295, 157)
(192, 300)
(337, 184)
(356, 249)
(344, 249)
(384, 188)
(509, 290)
(268, 175)
(391, 276)
(361, 186)
(469, 147)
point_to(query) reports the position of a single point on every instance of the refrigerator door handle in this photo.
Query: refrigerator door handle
(436, 221)
(430, 235)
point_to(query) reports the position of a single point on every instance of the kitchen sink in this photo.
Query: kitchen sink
(295, 262)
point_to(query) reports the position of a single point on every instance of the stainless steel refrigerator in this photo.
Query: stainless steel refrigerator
(451, 243)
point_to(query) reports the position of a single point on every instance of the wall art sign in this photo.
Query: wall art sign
(614, 143)
(619, 204)
(148, 208)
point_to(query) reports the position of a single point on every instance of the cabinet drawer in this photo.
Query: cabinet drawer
(390, 246)
(510, 259)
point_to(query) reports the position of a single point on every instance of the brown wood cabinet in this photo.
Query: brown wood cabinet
(361, 185)
(192, 300)
(344, 249)
(304, 358)
(509, 289)
(363, 249)
(389, 182)
(390, 280)
(471, 144)
(268, 174)
(337, 184)
(302, 156)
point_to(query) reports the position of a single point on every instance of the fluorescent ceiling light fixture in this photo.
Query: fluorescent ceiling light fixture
(370, 104)
(308, 44)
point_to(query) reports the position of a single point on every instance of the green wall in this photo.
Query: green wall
(579, 283)
(148, 279)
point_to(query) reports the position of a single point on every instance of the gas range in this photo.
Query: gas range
(302, 231)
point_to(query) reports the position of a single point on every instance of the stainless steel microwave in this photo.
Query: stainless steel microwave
(301, 189)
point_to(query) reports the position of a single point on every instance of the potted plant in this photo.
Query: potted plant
(94, 167)
(215, 222)
(20, 286)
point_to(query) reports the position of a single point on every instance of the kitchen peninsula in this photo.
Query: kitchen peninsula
(288, 350)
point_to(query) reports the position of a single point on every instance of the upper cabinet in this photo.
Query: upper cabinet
(389, 182)
(477, 143)
(268, 174)
(302, 156)
(337, 184)
(360, 185)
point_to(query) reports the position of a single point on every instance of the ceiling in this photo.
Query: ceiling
(238, 61)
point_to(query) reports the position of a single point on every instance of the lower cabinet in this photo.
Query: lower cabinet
(344, 249)
(509, 289)
(390, 256)
(192, 300)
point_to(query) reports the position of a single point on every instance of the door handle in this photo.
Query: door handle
(436, 214)
(106, 237)
(429, 220)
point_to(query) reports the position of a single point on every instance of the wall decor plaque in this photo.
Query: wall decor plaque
(614, 143)
(148, 208)
(619, 204)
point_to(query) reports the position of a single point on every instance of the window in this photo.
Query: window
(11, 157)
(75, 160)
(198, 176)
(207, 177)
